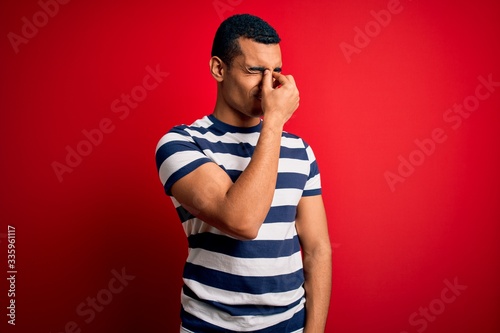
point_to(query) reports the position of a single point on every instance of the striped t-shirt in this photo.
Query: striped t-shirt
(232, 285)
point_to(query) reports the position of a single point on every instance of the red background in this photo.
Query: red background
(393, 250)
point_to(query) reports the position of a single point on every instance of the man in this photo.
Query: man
(249, 197)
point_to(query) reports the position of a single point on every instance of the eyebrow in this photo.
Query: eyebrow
(262, 69)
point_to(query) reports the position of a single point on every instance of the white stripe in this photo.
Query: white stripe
(181, 158)
(238, 298)
(286, 197)
(236, 323)
(292, 142)
(196, 226)
(230, 162)
(298, 331)
(173, 137)
(310, 154)
(204, 122)
(277, 231)
(255, 267)
(176, 203)
(313, 183)
(293, 165)
(225, 137)
(161, 142)
(251, 138)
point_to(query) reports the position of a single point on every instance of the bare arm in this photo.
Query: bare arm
(240, 208)
(312, 229)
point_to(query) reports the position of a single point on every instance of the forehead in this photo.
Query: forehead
(258, 54)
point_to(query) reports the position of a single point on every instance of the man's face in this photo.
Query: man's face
(242, 84)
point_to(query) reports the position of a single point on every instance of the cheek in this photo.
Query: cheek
(252, 85)
(246, 82)
(241, 89)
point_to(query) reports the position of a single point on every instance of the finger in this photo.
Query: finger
(276, 83)
(284, 79)
(291, 79)
(278, 80)
(267, 80)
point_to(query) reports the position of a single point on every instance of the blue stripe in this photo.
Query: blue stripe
(171, 147)
(291, 180)
(285, 179)
(192, 127)
(293, 136)
(281, 214)
(194, 324)
(314, 169)
(295, 153)
(180, 129)
(161, 155)
(182, 172)
(184, 214)
(256, 285)
(244, 249)
(223, 128)
(233, 174)
(242, 149)
(310, 193)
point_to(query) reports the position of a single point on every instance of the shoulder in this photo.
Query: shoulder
(181, 139)
(183, 132)
(293, 141)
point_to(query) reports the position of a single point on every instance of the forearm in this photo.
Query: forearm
(318, 274)
(250, 197)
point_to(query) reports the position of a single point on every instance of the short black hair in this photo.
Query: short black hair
(226, 46)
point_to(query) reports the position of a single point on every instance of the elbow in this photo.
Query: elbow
(244, 228)
(235, 223)
(239, 227)
(245, 236)
(248, 235)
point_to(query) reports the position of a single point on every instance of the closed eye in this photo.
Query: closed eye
(258, 69)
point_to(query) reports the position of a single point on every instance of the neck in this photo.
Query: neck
(231, 116)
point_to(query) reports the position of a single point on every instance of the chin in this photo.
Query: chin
(257, 113)
(257, 110)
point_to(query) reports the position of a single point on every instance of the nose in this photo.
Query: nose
(262, 80)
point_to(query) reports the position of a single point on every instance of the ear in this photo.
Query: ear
(217, 69)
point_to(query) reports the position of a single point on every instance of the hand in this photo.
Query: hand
(281, 99)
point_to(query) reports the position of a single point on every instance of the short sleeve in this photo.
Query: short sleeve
(313, 184)
(177, 154)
